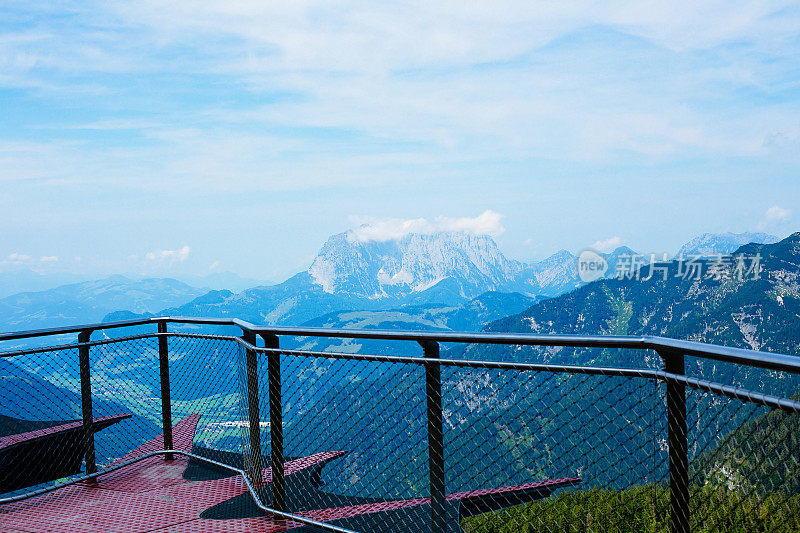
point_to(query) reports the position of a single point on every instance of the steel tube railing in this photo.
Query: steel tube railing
(673, 353)
(433, 389)
(753, 358)
(729, 391)
(253, 409)
(677, 437)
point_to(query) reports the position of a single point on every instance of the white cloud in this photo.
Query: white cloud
(607, 245)
(774, 216)
(16, 259)
(345, 65)
(214, 265)
(777, 214)
(376, 229)
(170, 256)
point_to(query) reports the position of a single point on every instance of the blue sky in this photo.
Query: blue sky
(165, 138)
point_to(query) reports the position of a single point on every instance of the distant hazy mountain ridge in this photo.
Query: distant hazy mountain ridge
(90, 301)
(711, 244)
(446, 270)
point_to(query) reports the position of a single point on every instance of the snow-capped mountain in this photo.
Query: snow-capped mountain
(464, 265)
(711, 244)
(412, 264)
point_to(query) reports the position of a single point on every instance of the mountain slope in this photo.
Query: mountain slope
(429, 317)
(761, 313)
(292, 302)
(90, 301)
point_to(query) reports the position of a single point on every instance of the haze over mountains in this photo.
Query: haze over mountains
(446, 268)
(448, 280)
(89, 301)
(20, 280)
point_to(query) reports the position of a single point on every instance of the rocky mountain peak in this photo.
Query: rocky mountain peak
(412, 263)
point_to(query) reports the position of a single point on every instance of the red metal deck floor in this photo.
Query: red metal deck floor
(148, 496)
(153, 495)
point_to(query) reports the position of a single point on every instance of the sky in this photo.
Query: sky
(199, 137)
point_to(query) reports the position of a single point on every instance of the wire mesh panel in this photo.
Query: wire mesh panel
(204, 377)
(125, 379)
(39, 401)
(42, 417)
(593, 438)
(524, 447)
(371, 414)
(744, 465)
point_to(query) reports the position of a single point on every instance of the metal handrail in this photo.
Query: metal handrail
(738, 393)
(753, 358)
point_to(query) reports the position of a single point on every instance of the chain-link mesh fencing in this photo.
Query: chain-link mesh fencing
(542, 449)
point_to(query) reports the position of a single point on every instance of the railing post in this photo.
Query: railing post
(86, 403)
(253, 410)
(433, 389)
(275, 424)
(166, 400)
(678, 444)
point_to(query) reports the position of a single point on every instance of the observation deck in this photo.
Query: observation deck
(193, 424)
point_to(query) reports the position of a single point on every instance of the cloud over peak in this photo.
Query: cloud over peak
(386, 229)
(607, 245)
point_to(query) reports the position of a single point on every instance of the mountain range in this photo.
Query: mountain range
(469, 265)
(718, 304)
(90, 301)
(446, 269)
(26, 280)
(443, 275)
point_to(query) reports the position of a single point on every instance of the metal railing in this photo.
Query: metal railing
(672, 375)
